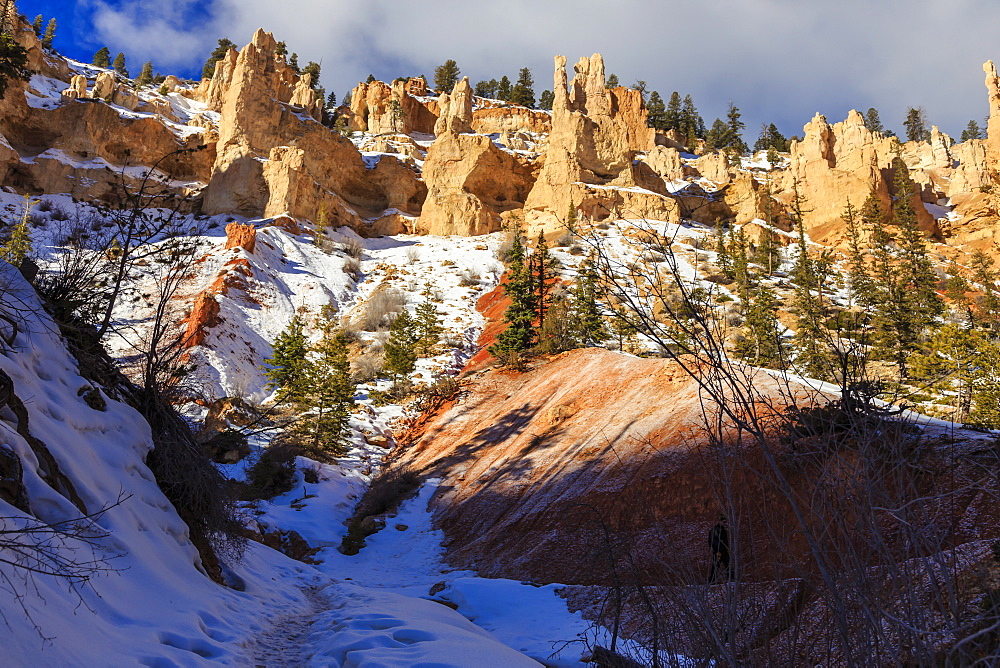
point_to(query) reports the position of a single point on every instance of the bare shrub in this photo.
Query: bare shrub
(469, 279)
(272, 474)
(352, 267)
(412, 255)
(368, 366)
(352, 246)
(381, 309)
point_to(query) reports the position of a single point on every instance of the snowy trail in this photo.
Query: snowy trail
(282, 645)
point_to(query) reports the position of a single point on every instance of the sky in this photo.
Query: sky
(779, 61)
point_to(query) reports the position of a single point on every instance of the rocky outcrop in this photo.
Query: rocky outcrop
(379, 108)
(512, 118)
(77, 87)
(204, 315)
(241, 236)
(993, 125)
(470, 183)
(104, 86)
(271, 160)
(666, 161)
(596, 135)
(456, 110)
(832, 164)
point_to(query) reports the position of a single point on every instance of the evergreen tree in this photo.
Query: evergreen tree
(313, 69)
(428, 327)
(722, 258)
(762, 343)
(218, 53)
(672, 115)
(739, 251)
(328, 389)
(988, 305)
(36, 25)
(487, 89)
(401, 348)
(370, 79)
(956, 289)
(657, 111)
(883, 298)
(588, 322)
(102, 58)
(119, 65)
(857, 271)
(640, 86)
(873, 122)
(612, 81)
(916, 125)
(770, 139)
(812, 357)
(692, 127)
(18, 246)
(50, 34)
(718, 137)
(331, 100)
(735, 138)
(971, 131)
(519, 334)
(286, 368)
(280, 49)
(446, 76)
(504, 89)
(922, 305)
(523, 92)
(547, 99)
(13, 62)
(146, 75)
(543, 266)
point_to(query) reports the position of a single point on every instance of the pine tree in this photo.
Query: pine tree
(36, 25)
(762, 344)
(657, 111)
(717, 137)
(857, 271)
(13, 62)
(547, 99)
(612, 81)
(672, 116)
(146, 75)
(739, 251)
(487, 89)
(735, 141)
(988, 305)
(588, 322)
(312, 68)
(18, 246)
(571, 218)
(331, 101)
(922, 305)
(218, 53)
(401, 348)
(519, 334)
(102, 58)
(428, 327)
(50, 34)
(692, 126)
(370, 79)
(883, 298)
(812, 357)
(640, 86)
(543, 266)
(287, 365)
(873, 122)
(523, 92)
(504, 89)
(119, 65)
(722, 258)
(329, 390)
(280, 49)
(971, 131)
(293, 62)
(446, 76)
(916, 125)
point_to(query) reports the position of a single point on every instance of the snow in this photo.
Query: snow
(44, 92)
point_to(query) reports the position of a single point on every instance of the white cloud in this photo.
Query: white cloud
(778, 60)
